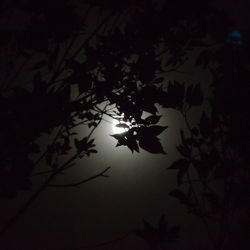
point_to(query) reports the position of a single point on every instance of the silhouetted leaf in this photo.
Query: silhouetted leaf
(175, 95)
(197, 43)
(37, 79)
(225, 169)
(40, 87)
(204, 58)
(132, 144)
(127, 139)
(179, 164)
(162, 226)
(194, 95)
(197, 96)
(202, 167)
(93, 151)
(213, 157)
(149, 107)
(179, 194)
(118, 136)
(54, 55)
(184, 150)
(189, 92)
(159, 80)
(153, 119)
(50, 153)
(160, 237)
(205, 127)
(156, 130)
(152, 131)
(195, 131)
(66, 145)
(121, 137)
(146, 67)
(213, 200)
(180, 175)
(40, 64)
(151, 144)
(81, 145)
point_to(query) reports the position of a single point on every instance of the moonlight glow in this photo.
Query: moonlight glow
(117, 130)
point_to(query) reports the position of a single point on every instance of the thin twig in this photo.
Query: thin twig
(92, 35)
(23, 209)
(162, 52)
(46, 151)
(12, 79)
(201, 216)
(191, 184)
(76, 184)
(59, 70)
(51, 171)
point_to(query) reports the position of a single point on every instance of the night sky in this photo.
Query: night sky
(107, 209)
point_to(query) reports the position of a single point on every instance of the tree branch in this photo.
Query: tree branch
(83, 181)
(59, 70)
(23, 209)
(66, 165)
(93, 34)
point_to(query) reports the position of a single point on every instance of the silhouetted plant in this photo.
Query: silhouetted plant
(217, 150)
(118, 71)
(158, 238)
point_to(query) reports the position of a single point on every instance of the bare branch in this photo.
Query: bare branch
(59, 68)
(83, 181)
(93, 34)
(46, 151)
(51, 171)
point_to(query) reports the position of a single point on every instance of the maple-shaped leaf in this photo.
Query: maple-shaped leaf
(194, 96)
(151, 144)
(158, 238)
(83, 145)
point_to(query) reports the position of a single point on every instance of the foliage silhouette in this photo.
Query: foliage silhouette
(119, 73)
(159, 238)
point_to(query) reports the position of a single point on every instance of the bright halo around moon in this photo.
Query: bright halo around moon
(119, 130)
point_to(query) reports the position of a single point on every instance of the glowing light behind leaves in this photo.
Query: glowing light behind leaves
(118, 130)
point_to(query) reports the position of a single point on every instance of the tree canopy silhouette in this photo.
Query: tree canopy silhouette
(119, 68)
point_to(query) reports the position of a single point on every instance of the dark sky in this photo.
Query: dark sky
(108, 208)
(237, 10)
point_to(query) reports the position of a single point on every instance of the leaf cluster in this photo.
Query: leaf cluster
(122, 68)
(145, 136)
(158, 238)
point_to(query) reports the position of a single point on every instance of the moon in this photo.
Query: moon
(117, 130)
